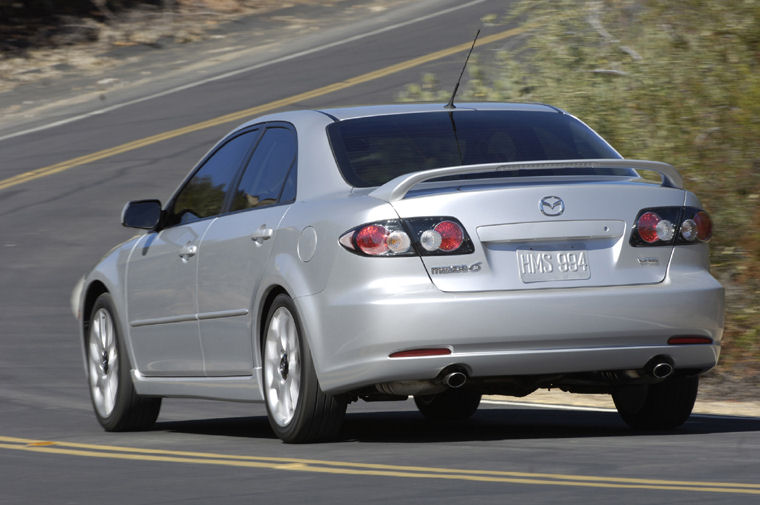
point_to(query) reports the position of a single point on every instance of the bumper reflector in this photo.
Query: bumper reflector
(416, 353)
(685, 340)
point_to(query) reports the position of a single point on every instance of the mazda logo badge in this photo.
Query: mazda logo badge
(551, 206)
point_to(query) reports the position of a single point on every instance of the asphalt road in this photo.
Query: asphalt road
(59, 216)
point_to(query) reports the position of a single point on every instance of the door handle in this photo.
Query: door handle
(188, 251)
(262, 234)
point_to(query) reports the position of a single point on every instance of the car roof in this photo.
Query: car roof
(344, 113)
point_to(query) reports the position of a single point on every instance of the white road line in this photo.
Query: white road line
(547, 406)
(242, 70)
(597, 409)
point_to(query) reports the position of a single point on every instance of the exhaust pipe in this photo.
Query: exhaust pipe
(660, 367)
(455, 379)
(661, 370)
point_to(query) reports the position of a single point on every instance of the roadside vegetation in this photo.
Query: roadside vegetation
(44, 40)
(30, 26)
(671, 81)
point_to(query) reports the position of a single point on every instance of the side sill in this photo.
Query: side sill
(238, 389)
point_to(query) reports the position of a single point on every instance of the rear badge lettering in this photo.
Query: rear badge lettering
(648, 261)
(456, 269)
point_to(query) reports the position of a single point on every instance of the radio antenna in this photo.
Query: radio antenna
(450, 105)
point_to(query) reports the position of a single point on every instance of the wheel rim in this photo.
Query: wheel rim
(282, 366)
(103, 362)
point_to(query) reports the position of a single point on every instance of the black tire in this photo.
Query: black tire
(662, 406)
(314, 416)
(126, 410)
(451, 405)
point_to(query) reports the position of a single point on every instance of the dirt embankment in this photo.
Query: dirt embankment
(43, 40)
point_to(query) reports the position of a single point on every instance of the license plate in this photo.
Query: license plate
(545, 265)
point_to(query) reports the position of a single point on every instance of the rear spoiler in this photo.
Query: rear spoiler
(397, 188)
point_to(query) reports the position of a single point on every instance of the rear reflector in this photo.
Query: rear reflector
(689, 340)
(416, 353)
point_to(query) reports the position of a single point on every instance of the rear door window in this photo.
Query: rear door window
(269, 177)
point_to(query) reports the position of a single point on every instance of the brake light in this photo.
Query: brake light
(647, 227)
(429, 236)
(452, 235)
(372, 240)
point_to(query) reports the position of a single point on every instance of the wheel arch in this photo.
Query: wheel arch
(267, 300)
(94, 290)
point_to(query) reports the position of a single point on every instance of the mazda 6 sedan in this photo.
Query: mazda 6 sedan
(321, 257)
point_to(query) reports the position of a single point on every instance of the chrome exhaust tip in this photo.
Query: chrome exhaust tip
(455, 379)
(662, 370)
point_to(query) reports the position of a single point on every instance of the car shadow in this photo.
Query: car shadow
(247, 427)
(486, 424)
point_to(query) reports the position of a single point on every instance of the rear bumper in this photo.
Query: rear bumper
(352, 332)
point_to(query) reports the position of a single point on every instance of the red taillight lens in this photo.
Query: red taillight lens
(452, 235)
(371, 239)
(647, 227)
(704, 226)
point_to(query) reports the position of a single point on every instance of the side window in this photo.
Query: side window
(203, 195)
(271, 166)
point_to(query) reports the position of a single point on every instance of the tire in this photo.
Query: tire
(116, 405)
(662, 406)
(451, 405)
(298, 410)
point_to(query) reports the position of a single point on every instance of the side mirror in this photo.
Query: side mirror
(143, 214)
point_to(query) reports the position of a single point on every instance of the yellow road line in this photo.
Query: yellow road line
(368, 469)
(253, 111)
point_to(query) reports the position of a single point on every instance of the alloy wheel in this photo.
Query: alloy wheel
(282, 366)
(103, 362)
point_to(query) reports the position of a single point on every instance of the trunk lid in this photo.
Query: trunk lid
(520, 245)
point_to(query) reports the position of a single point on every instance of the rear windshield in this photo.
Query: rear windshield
(373, 150)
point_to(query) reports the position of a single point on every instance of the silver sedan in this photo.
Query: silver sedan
(316, 258)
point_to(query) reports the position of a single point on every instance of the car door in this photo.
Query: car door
(235, 251)
(162, 271)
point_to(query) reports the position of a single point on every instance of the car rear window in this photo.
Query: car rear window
(373, 150)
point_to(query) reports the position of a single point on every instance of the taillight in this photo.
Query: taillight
(386, 238)
(671, 225)
(427, 236)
